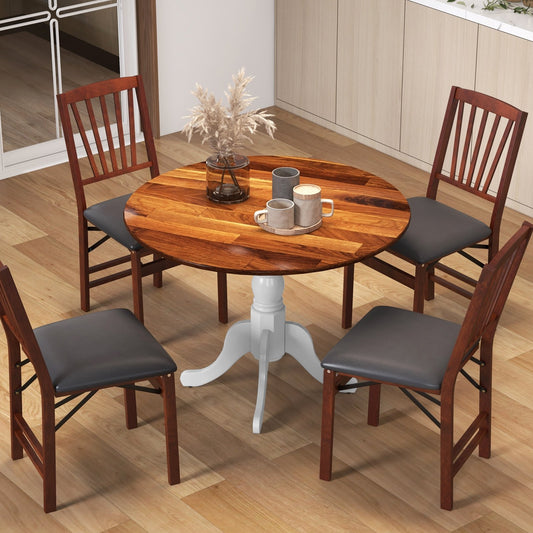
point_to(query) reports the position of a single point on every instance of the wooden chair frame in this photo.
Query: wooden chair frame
(120, 161)
(42, 452)
(476, 334)
(475, 147)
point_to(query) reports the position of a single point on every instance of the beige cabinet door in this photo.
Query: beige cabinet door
(440, 51)
(503, 57)
(369, 69)
(306, 51)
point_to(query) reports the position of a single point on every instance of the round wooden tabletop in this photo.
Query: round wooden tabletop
(172, 215)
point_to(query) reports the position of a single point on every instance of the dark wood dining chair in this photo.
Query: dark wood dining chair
(104, 115)
(424, 355)
(75, 357)
(476, 153)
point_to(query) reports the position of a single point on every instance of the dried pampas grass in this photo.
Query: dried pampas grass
(226, 129)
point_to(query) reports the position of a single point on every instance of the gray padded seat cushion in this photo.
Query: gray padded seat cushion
(437, 230)
(396, 346)
(100, 349)
(109, 217)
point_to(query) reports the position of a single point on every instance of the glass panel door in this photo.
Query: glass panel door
(26, 95)
(47, 47)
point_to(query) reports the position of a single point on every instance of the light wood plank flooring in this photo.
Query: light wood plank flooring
(385, 478)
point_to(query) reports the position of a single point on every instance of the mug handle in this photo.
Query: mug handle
(258, 214)
(331, 212)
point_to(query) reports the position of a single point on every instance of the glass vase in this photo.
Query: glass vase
(228, 178)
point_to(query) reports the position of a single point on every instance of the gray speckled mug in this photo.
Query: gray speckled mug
(278, 214)
(308, 205)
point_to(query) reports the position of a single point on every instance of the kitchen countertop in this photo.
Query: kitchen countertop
(520, 25)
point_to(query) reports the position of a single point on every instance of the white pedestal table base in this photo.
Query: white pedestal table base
(268, 336)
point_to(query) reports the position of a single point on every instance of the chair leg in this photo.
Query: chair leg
(420, 288)
(130, 407)
(168, 386)
(15, 400)
(347, 296)
(84, 267)
(485, 398)
(222, 289)
(374, 394)
(158, 276)
(136, 277)
(329, 391)
(49, 456)
(446, 452)
(430, 284)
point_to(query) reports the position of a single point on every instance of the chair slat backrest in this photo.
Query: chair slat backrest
(18, 328)
(90, 111)
(479, 141)
(489, 298)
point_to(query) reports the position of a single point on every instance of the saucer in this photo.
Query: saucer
(295, 230)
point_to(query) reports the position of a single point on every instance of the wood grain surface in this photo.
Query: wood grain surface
(171, 214)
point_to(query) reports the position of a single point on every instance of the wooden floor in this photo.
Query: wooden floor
(385, 478)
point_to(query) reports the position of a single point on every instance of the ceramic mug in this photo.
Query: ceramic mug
(283, 181)
(308, 205)
(279, 214)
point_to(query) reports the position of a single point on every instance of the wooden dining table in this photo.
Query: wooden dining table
(172, 215)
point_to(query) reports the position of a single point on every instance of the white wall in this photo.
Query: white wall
(206, 41)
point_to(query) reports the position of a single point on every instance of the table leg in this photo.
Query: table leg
(267, 336)
(236, 344)
(261, 382)
(299, 344)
